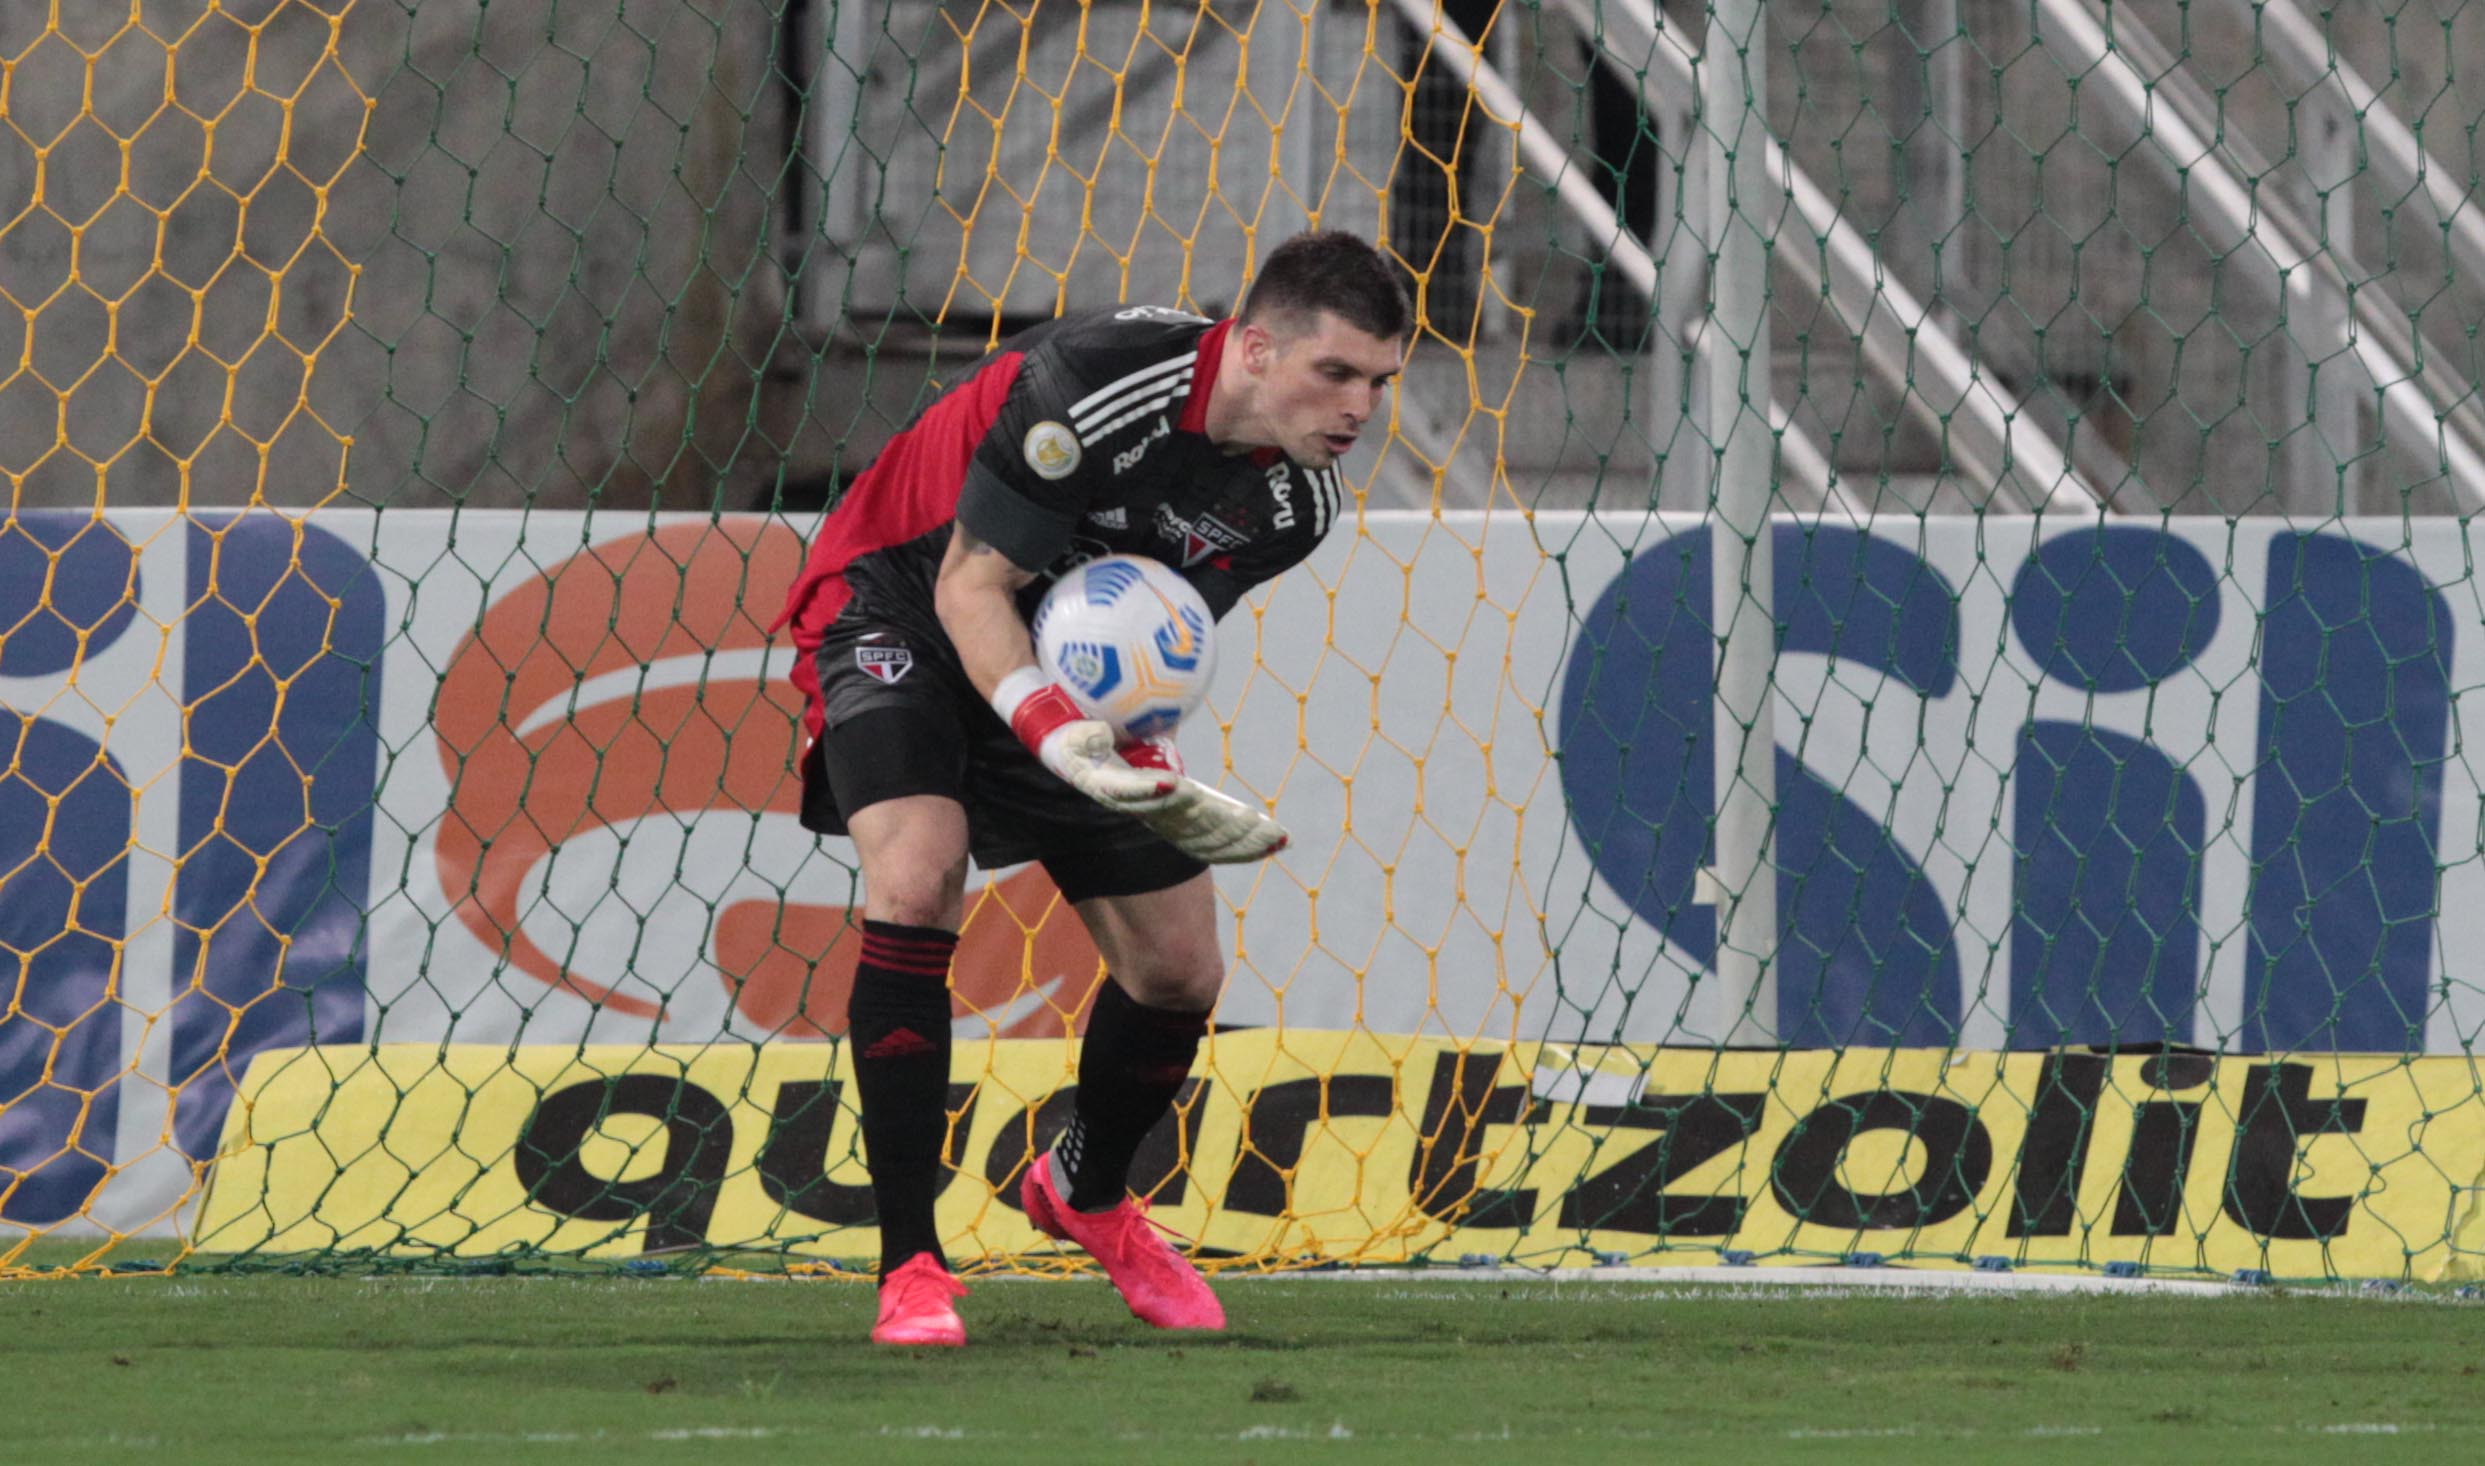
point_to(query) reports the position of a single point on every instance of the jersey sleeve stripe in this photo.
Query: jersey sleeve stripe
(1103, 419)
(1100, 403)
(1328, 496)
(1152, 405)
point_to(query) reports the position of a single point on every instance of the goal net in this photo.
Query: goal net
(1891, 692)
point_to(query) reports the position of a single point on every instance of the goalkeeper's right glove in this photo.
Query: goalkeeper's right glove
(1144, 779)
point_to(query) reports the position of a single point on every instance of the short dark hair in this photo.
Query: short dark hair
(1331, 270)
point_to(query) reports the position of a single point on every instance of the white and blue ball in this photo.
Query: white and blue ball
(1130, 641)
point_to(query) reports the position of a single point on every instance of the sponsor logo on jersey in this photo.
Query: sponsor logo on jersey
(1130, 456)
(1116, 517)
(1052, 450)
(1281, 484)
(888, 663)
(1155, 313)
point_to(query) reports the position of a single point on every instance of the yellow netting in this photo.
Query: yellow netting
(423, 874)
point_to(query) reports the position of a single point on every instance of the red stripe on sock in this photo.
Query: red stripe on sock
(914, 967)
(886, 944)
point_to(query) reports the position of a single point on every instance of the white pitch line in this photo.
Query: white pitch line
(1336, 1432)
(1787, 1280)
(573, 1437)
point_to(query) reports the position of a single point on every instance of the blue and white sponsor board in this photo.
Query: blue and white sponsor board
(2040, 784)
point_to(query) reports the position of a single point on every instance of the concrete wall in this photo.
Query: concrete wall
(536, 253)
(516, 253)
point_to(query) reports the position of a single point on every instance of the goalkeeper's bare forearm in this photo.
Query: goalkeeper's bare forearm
(976, 598)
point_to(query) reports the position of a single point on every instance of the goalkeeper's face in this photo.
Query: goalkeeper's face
(1316, 384)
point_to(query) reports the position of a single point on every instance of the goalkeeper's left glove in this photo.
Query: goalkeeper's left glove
(1141, 778)
(1203, 823)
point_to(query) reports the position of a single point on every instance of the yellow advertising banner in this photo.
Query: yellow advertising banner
(1291, 1148)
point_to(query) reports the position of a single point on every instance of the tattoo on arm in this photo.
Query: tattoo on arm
(980, 562)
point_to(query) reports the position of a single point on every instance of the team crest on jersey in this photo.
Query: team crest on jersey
(1052, 450)
(888, 663)
(1200, 538)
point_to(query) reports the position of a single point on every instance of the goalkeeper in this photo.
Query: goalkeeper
(1210, 446)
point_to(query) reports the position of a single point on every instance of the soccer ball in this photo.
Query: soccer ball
(1129, 640)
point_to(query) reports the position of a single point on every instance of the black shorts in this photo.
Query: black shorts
(904, 720)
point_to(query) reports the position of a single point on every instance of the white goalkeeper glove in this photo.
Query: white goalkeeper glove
(1142, 779)
(1206, 824)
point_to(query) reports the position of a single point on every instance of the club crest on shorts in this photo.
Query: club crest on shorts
(888, 663)
(1052, 450)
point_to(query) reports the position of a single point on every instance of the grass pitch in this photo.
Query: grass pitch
(610, 1370)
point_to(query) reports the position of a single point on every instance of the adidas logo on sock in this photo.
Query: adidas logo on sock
(897, 1043)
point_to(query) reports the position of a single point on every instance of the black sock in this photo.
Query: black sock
(1130, 1069)
(898, 1023)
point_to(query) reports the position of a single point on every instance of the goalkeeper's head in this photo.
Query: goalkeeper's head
(1316, 343)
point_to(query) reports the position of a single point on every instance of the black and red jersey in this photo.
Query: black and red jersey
(1084, 436)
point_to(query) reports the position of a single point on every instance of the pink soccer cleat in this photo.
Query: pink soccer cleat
(915, 1307)
(1158, 1283)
